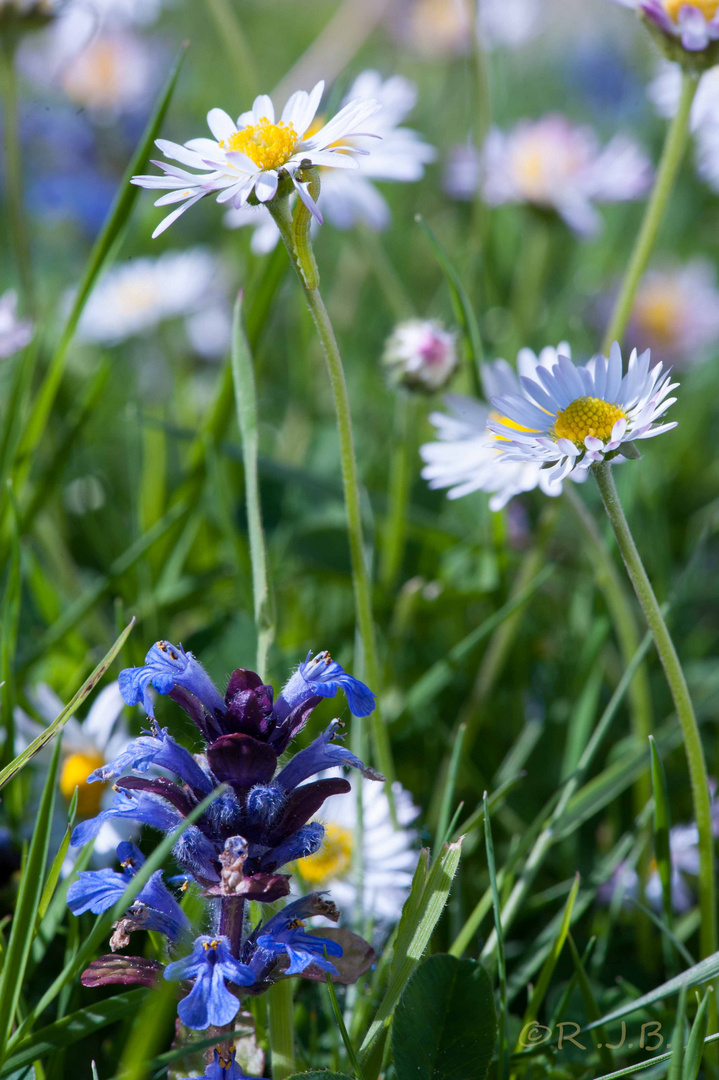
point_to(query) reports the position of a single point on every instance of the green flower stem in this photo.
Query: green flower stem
(671, 159)
(682, 701)
(13, 175)
(360, 575)
(282, 1028)
(627, 632)
(400, 478)
(246, 403)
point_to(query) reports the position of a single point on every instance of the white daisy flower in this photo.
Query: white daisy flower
(676, 311)
(466, 457)
(421, 354)
(346, 200)
(388, 857)
(246, 158)
(15, 333)
(141, 293)
(556, 165)
(86, 746)
(571, 417)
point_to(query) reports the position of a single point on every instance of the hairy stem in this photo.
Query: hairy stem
(680, 693)
(671, 159)
(350, 482)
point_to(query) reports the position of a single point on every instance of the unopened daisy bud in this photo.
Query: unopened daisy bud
(686, 31)
(421, 354)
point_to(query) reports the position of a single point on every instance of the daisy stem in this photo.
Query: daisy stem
(680, 693)
(360, 574)
(282, 1029)
(671, 159)
(13, 174)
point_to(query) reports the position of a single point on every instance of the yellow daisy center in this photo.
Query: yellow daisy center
(268, 145)
(75, 772)
(708, 8)
(331, 861)
(587, 416)
(658, 312)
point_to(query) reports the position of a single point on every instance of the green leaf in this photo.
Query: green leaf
(28, 901)
(72, 1028)
(73, 705)
(445, 1026)
(102, 252)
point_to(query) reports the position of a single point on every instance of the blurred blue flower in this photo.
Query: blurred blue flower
(211, 965)
(224, 1069)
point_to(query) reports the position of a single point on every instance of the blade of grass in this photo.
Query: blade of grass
(339, 1020)
(28, 902)
(600, 1037)
(551, 961)
(697, 1037)
(463, 310)
(247, 416)
(412, 940)
(443, 822)
(676, 1062)
(102, 253)
(501, 966)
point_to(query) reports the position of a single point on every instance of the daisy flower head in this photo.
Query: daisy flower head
(556, 165)
(245, 160)
(687, 29)
(571, 417)
(466, 456)
(388, 856)
(347, 199)
(664, 92)
(421, 354)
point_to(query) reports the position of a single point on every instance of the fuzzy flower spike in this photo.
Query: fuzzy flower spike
(244, 160)
(570, 417)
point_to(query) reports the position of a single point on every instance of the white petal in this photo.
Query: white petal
(220, 124)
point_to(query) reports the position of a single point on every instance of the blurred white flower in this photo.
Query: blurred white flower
(421, 354)
(465, 459)
(676, 312)
(555, 165)
(684, 859)
(86, 745)
(387, 860)
(101, 64)
(444, 27)
(508, 23)
(246, 158)
(15, 333)
(348, 199)
(137, 295)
